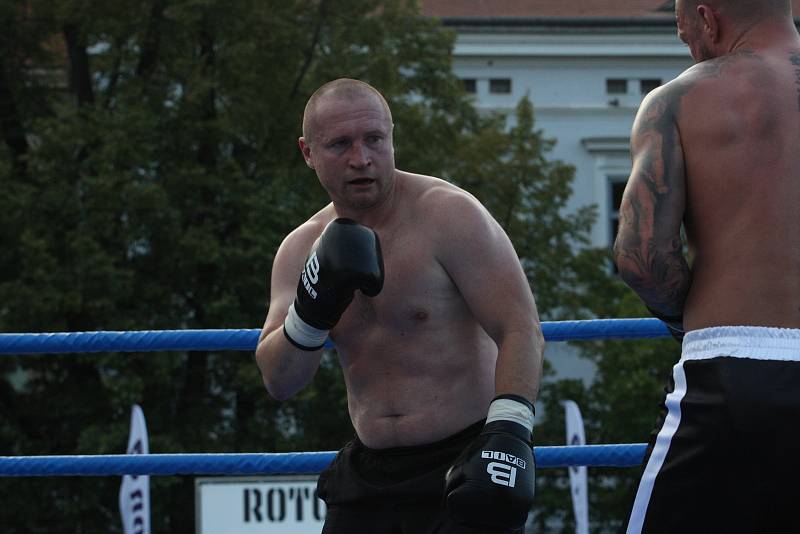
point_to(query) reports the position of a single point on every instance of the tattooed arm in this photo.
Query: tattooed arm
(648, 249)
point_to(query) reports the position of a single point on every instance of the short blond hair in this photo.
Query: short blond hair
(347, 88)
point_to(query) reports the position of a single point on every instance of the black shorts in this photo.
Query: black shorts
(393, 491)
(726, 455)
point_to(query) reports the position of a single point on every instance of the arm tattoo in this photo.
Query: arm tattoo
(649, 252)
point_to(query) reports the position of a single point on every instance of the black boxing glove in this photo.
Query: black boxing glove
(491, 483)
(674, 324)
(347, 256)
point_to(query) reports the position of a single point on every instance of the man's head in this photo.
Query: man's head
(342, 88)
(710, 27)
(347, 140)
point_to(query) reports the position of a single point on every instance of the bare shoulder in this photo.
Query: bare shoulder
(666, 99)
(476, 253)
(451, 215)
(295, 246)
(661, 108)
(288, 263)
(728, 72)
(703, 74)
(726, 65)
(442, 202)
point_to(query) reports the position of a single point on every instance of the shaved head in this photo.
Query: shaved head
(344, 88)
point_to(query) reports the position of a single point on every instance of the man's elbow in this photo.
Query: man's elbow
(275, 386)
(618, 253)
(634, 278)
(629, 271)
(276, 389)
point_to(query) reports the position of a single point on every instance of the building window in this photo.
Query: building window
(500, 85)
(646, 86)
(616, 86)
(470, 85)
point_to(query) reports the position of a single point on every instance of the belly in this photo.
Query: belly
(409, 387)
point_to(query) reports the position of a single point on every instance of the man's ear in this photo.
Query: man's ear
(305, 148)
(710, 22)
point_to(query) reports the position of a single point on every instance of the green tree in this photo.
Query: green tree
(150, 170)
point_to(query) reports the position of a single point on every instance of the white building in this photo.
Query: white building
(584, 65)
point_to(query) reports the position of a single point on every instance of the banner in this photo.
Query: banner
(134, 493)
(577, 474)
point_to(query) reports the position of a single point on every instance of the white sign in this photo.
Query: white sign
(268, 504)
(577, 474)
(134, 492)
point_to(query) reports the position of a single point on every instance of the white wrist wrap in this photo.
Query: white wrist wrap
(303, 333)
(510, 410)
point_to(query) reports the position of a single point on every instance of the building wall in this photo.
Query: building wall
(565, 74)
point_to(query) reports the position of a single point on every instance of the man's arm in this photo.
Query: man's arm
(491, 483)
(482, 262)
(648, 249)
(285, 368)
(346, 257)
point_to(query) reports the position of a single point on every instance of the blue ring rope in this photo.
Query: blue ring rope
(626, 455)
(246, 339)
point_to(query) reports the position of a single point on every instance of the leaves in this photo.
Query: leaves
(153, 191)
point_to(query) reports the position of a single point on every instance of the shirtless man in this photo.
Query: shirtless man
(434, 324)
(718, 149)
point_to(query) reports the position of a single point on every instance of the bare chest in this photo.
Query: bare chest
(417, 294)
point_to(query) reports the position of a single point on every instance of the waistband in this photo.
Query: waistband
(755, 342)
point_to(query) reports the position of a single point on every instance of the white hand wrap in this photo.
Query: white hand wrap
(510, 410)
(301, 333)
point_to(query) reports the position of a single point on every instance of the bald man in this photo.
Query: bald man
(434, 325)
(718, 149)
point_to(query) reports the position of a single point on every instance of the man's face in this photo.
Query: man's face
(351, 150)
(690, 30)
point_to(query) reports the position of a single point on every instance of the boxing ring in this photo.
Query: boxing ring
(617, 455)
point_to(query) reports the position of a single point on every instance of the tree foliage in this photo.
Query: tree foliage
(150, 170)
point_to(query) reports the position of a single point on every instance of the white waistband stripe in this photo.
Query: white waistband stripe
(753, 342)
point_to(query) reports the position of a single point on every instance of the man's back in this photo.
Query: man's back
(739, 124)
(717, 150)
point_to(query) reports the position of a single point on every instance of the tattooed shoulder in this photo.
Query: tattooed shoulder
(662, 106)
(716, 67)
(668, 98)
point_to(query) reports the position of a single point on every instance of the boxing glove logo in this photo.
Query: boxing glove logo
(504, 457)
(311, 275)
(503, 472)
